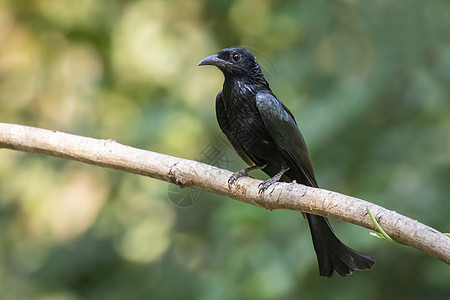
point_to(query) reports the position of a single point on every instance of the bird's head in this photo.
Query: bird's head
(235, 62)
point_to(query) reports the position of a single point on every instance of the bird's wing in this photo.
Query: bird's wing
(281, 125)
(220, 112)
(224, 125)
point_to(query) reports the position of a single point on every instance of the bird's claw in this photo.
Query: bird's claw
(235, 177)
(263, 186)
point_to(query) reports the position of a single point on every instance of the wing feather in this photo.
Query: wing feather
(282, 127)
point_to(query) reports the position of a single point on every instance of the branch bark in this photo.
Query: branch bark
(187, 173)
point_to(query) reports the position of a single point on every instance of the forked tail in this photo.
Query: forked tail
(332, 254)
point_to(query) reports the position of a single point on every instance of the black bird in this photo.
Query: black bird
(265, 134)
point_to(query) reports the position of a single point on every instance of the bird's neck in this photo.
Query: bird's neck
(254, 83)
(239, 94)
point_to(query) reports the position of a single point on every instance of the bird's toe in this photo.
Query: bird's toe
(263, 186)
(234, 178)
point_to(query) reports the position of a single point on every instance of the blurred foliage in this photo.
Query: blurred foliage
(368, 82)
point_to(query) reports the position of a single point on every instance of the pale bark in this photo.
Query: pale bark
(187, 173)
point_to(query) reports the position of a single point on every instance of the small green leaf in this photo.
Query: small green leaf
(382, 234)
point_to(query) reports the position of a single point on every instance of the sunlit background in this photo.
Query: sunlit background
(368, 82)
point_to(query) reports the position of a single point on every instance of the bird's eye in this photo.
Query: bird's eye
(236, 57)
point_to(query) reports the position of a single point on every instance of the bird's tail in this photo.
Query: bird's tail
(332, 254)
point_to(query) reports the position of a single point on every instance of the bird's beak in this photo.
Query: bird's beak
(212, 60)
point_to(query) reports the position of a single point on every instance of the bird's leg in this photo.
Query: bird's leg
(265, 184)
(243, 173)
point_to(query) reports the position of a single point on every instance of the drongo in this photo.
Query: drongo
(265, 135)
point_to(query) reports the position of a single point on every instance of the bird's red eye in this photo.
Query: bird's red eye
(236, 57)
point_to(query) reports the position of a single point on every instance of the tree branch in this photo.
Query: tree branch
(187, 173)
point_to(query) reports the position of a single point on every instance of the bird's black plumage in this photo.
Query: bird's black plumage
(265, 134)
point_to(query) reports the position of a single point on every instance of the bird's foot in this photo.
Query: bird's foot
(236, 176)
(242, 173)
(263, 186)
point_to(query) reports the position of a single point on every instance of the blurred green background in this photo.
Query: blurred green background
(368, 82)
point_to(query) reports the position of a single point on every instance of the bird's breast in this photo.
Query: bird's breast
(247, 129)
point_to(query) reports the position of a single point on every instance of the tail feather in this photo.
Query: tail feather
(332, 254)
